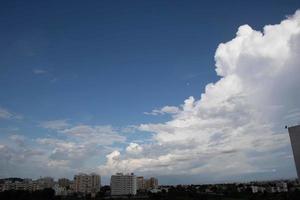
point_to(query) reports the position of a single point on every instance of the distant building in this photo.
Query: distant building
(294, 133)
(254, 189)
(45, 182)
(8, 185)
(60, 191)
(20, 185)
(95, 183)
(151, 183)
(140, 183)
(87, 184)
(282, 187)
(64, 182)
(123, 184)
(25, 185)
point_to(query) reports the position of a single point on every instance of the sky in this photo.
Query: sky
(186, 91)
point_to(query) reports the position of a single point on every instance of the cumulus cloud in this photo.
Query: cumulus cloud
(71, 150)
(79, 145)
(19, 158)
(238, 121)
(134, 148)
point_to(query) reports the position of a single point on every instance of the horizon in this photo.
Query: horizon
(216, 183)
(187, 92)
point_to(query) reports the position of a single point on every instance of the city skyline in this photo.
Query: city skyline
(188, 92)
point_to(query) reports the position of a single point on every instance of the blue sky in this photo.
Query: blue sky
(107, 63)
(101, 58)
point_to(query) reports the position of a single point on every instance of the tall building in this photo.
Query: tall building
(140, 183)
(151, 183)
(123, 184)
(64, 182)
(95, 183)
(87, 184)
(294, 133)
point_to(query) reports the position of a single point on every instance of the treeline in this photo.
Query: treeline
(190, 193)
(27, 195)
(174, 193)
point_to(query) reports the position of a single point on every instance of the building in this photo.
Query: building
(282, 187)
(140, 183)
(87, 184)
(64, 182)
(8, 185)
(45, 182)
(95, 183)
(21, 185)
(151, 183)
(60, 191)
(254, 188)
(123, 184)
(81, 183)
(294, 133)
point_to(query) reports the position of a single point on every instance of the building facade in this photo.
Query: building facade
(140, 183)
(123, 184)
(45, 182)
(87, 183)
(294, 133)
(95, 183)
(64, 182)
(151, 183)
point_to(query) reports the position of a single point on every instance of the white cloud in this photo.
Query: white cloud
(71, 151)
(19, 158)
(134, 148)
(55, 124)
(103, 135)
(5, 114)
(19, 139)
(39, 71)
(80, 144)
(238, 122)
(163, 110)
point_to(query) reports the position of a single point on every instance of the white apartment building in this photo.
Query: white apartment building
(87, 183)
(123, 184)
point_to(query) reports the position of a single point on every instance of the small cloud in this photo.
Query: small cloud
(129, 129)
(55, 124)
(164, 110)
(39, 71)
(18, 139)
(134, 148)
(5, 114)
(54, 80)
